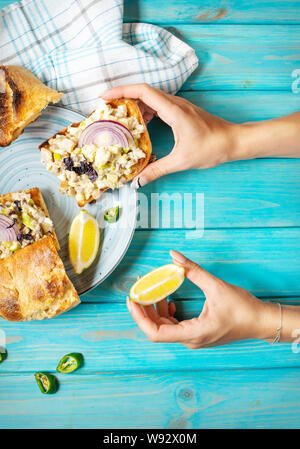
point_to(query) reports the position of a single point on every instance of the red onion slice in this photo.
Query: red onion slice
(106, 132)
(9, 231)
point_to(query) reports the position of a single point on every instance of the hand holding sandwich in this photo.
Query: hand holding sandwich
(203, 140)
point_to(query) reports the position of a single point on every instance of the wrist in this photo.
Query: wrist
(246, 141)
(268, 321)
(270, 138)
(232, 144)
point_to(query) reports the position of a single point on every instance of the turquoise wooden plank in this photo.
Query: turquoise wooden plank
(227, 399)
(262, 193)
(209, 399)
(212, 11)
(260, 57)
(264, 261)
(4, 3)
(243, 106)
(110, 341)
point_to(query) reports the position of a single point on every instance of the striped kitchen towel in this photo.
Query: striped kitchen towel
(82, 47)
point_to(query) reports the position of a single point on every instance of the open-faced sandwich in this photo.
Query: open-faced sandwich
(33, 281)
(107, 149)
(22, 98)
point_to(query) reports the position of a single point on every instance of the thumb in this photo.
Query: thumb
(194, 272)
(153, 171)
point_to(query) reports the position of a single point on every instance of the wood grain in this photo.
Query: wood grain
(211, 11)
(233, 195)
(264, 261)
(242, 57)
(207, 399)
(110, 341)
(243, 106)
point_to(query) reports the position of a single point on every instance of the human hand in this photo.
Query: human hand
(202, 140)
(230, 313)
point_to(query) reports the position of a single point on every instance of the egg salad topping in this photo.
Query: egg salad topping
(30, 221)
(87, 170)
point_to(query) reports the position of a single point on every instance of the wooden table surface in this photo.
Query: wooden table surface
(247, 53)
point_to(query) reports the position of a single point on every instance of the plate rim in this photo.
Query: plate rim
(124, 251)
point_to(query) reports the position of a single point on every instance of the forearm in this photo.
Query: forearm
(290, 322)
(278, 137)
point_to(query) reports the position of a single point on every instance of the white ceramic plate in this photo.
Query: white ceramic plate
(21, 168)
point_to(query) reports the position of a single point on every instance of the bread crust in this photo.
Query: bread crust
(144, 141)
(22, 98)
(34, 284)
(37, 198)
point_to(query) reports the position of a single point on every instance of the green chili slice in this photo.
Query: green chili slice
(70, 362)
(3, 354)
(112, 214)
(46, 382)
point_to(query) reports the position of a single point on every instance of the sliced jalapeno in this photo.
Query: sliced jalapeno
(70, 362)
(112, 214)
(46, 382)
(3, 354)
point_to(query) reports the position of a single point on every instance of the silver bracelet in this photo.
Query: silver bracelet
(278, 330)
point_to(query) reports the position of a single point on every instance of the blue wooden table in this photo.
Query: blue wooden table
(248, 52)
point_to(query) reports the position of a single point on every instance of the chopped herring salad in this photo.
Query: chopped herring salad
(22, 222)
(97, 154)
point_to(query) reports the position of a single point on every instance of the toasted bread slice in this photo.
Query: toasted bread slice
(144, 142)
(37, 198)
(22, 98)
(34, 284)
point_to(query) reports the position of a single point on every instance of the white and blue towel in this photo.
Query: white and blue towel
(82, 47)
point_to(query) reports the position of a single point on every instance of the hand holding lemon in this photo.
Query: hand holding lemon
(230, 313)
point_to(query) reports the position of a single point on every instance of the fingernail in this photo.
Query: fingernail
(136, 183)
(178, 257)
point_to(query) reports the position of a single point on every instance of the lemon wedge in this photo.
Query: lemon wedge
(157, 284)
(84, 240)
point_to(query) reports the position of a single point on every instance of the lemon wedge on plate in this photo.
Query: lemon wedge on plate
(84, 240)
(157, 285)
